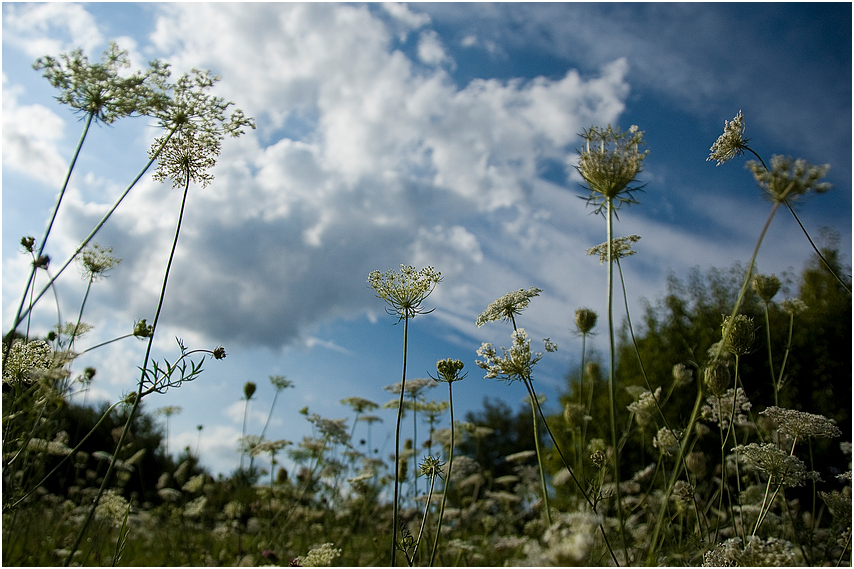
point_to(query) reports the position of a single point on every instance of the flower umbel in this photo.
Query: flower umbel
(405, 291)
(508, 306)
(731, 143)
(798, 424)
(620, 247)
(789, 178)
(609, 162)
(516, 363)
(99, 89)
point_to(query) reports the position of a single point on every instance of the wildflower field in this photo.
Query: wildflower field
(715, 430)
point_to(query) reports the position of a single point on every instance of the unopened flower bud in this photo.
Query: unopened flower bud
(717, 377)
(249, 389)
(741, 334)
(766, 286)
(585, 320)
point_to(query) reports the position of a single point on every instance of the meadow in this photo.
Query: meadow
(715, 431)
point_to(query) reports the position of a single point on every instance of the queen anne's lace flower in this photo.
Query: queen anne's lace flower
(782, 468)
(609, 162)
(731, 143)
(405, 291)
(798, 424)
(27, 359)
(321, 556)
(789, 178)
(620, 247)
(508, 306)
(720, 408)
(516, 363)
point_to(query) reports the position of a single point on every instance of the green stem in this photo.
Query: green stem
(30, 281)
(448, 479)
(746, 282)
(139, 393)
(23, 314)
(397, 444)
(533, 397)
(817, 252)
(770, 358)
(611, 387)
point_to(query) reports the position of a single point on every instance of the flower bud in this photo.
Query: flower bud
(249, 389)
(741, 335)
(585, 320)
(717, 377)
(766, 286)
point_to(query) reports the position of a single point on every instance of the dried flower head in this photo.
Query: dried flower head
(717, 376)
(585, 320)
(405, 291)
(100, 89)
(731, 143)
(431, 466)
(508, 306)
(789, 178)
(620, 247)
(515, 363)
(95, 261)
(142, 330)
(609, 162)
(738, 334)
(766, 286)
(218, 353)
(798, 424)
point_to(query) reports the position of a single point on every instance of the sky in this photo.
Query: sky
(421, 134)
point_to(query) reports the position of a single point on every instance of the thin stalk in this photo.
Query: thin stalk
(397, 444)
(747, 276)
(23, 314)
(423, 519)
(533, 397)
(788, 347)
(611, 388)
(30, 281)
(826, 264)
(144, 371)
(448, 479)
(653, 543)
(770, 358)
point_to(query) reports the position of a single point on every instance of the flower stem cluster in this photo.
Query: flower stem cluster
(405, 291)
(449, 370)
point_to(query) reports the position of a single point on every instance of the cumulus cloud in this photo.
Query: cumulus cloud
(396, 164)
(30, 137)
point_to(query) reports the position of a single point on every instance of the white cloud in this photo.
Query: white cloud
(50, 28)
(30, 137)
(430, 49)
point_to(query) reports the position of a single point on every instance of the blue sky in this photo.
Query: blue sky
(425, 134)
